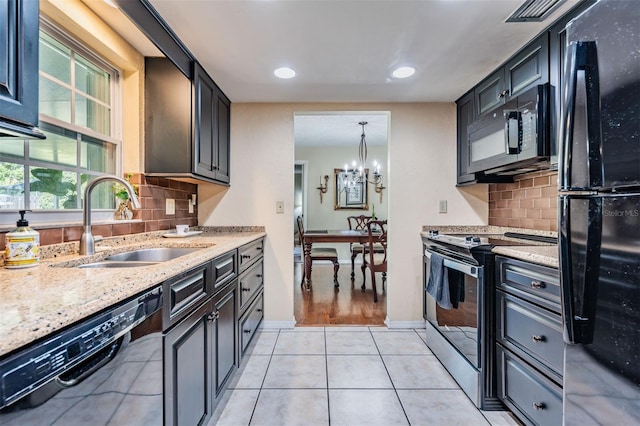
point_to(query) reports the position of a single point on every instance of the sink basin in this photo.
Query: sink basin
(114, 264)
(152, 255)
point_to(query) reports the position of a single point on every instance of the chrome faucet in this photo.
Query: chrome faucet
(87, 242)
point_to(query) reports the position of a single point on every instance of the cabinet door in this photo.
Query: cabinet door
(188, 384)
(205, 129)
(19, 61)
(529, 67)
(490, 93)
(465, 117)
(223, 124)
(225, 332)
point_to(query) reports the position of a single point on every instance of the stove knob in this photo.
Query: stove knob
(468, 239)
(433, 233)
(476, 240)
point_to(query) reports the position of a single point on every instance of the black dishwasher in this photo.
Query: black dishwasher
(106, 369)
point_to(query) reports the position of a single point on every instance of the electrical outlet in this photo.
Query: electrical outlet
(279, 207)
(170, 206)
(442, 206)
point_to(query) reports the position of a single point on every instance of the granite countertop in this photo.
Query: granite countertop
(37, 301)
(542, 255)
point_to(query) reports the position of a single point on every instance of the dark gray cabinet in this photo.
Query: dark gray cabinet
(225, 336)
(187, 124)
(188, 375)
(465, 114)
(251, 287)
(19, 68)
(212, 115)
(529, 348)
(490, 93)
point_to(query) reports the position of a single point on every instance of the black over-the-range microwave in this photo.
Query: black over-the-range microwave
(514, 138)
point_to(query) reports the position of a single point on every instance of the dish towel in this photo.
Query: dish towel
(438, 284)
(456, 287)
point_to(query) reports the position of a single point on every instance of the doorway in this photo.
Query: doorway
(324, 142)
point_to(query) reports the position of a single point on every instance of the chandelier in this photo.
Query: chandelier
(358, 174)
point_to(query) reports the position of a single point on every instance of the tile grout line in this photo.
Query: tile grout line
(255, 404)
(391, 380)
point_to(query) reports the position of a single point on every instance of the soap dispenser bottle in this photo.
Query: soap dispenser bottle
(22, 245)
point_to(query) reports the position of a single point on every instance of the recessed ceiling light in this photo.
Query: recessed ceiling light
(403, 72)
(284, 72)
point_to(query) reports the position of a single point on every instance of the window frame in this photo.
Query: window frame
(62, 217)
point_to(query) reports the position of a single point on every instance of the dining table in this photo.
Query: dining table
(328, 236)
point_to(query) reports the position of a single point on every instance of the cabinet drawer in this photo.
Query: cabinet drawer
(530, 395)
(224, 269)
(535, 283)
(531, 332)
(250, 321)
(250, 283)
(184, 292)
(248, 253)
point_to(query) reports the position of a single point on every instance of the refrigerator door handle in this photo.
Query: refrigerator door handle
(580, 291)
(583, 59)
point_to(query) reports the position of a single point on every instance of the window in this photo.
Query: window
(78, 115)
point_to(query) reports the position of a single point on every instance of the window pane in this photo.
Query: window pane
(11, 186)
(12, 147)
(59, 147)
(92, 80)
(98, 156)
(102, 196)
(52, 189)
(55, 100)
(55, 58)
(92, 115)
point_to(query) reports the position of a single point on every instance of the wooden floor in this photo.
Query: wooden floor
(347, 305)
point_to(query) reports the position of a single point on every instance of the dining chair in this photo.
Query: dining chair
(359, 223)
(377, 261)
(320, 253)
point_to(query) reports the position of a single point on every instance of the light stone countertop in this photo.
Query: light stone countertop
(540, 254)
(37, 301)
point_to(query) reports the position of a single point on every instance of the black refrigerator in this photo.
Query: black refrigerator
(599, 216)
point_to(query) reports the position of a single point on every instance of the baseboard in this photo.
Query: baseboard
(270, 325)
(404, 324)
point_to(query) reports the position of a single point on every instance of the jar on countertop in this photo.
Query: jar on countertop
(22, 245)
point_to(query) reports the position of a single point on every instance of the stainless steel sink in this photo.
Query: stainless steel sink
(142, 257)
(153, 254)
(114, 264)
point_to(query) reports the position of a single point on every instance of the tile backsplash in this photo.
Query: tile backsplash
(150, 217)
(530, 202)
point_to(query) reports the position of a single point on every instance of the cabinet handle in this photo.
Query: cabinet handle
(213, 316)
(246, 289)
(503, 94)
(259, 248)
(258, 275)
(247, 331)
(245, 256)
(538, 339)
(537, 284)
(539, 405)
(258, 310)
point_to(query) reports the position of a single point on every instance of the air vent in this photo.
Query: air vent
(534, 10)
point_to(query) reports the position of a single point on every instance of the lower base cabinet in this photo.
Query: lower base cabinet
(209, 331)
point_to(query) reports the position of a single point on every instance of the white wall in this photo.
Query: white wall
(421, 171)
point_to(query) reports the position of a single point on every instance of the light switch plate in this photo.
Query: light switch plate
(170, 206)
(279, 207)
(442, 206)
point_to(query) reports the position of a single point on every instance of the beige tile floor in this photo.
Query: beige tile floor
(346, 376)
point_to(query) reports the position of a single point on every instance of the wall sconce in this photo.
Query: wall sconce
(379, 187)
(323, 188)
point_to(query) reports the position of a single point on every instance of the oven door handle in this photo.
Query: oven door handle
(464, 268)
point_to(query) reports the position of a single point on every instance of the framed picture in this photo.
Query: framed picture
(355, 195)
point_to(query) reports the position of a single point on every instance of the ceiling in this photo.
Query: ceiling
(342, 51)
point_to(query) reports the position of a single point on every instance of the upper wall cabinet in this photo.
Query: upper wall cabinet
(187, 116)
(526, 69)
(19, 68)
